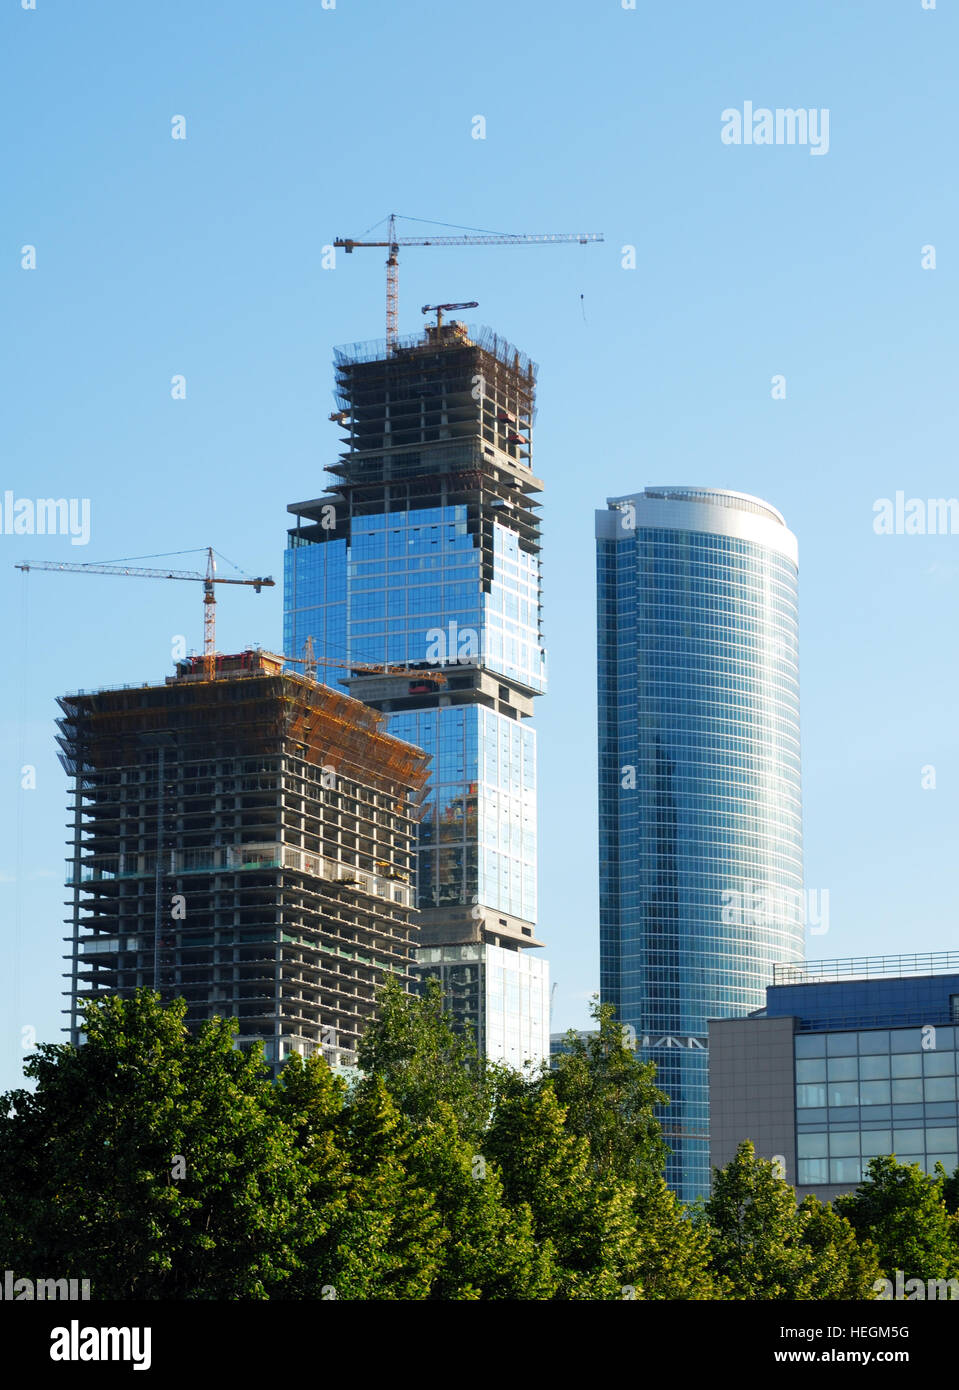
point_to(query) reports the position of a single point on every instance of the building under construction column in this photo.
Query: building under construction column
(244, 841)
(423, 557)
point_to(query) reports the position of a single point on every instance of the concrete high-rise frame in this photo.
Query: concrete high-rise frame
(246, 842)
(424, 557)
(699, 780)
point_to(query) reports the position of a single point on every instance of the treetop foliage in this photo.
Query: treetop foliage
(161, 1164)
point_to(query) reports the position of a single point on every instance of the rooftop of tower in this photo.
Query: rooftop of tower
(249, 698)
(718, 496)
(688, 507)
(452, 334)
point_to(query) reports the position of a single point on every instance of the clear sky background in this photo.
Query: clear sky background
(204, 257)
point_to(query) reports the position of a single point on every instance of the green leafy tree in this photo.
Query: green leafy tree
(587, 1218)
(901, 1209)
(950, 1188)
(151, 1162)
(844, 1266)
(491, 1250)
(312, 1102)
(675, 1251)
(414, 1049)
(758, 1251)
(610, 1097)
(767, 1247)
(390, 1245)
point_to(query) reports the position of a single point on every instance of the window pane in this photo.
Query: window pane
(874, 1068)
(813, 1170)
(908, 1140)
(843, 1068)
(811, 1145)
(874, 1093)
(938, 1063)
(845, 1170)
(843, 1145)
(811, 1045)
(842, 1044)
(876, 1142)
(905, 1040)
(810, 1095)
(906, 1092)
(844, 1093)
(940, 1087)
(940, 1140)
(876, 1040)
(907, 1064)
(813, 1070)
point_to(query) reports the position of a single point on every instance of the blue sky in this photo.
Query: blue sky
(203, 257)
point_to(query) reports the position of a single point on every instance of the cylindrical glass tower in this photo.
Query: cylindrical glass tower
(700, 816)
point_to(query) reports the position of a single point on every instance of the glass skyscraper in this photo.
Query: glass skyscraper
(700, 820)
(419, 573)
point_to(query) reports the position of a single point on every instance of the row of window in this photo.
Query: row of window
(879, 1066)
(873, 1041)
(812, 1171)
(908, 1091)
(870, 1143)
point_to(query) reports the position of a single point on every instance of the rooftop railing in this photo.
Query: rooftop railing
(865, 968)
(478, 335)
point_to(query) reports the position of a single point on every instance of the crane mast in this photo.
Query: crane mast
(208, 579)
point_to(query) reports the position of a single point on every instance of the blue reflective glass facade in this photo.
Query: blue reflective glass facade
(420, 571)
(864, 1003)
(478, 833)
(404, 581)
(407, 587)
(699, 779)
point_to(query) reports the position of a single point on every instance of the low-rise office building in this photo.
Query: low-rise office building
(849, 1059)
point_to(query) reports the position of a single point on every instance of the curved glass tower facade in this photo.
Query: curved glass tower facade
(700, 814)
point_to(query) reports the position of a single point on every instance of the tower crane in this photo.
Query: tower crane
(208, 580)
(309, 661)
(393, 244)
(440, 309)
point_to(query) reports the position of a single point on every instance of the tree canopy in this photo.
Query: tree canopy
(162, 1164)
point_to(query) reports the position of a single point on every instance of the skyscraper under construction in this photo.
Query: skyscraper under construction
(422, 560)
(245, 841)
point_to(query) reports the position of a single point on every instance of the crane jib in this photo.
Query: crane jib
(484, 239)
